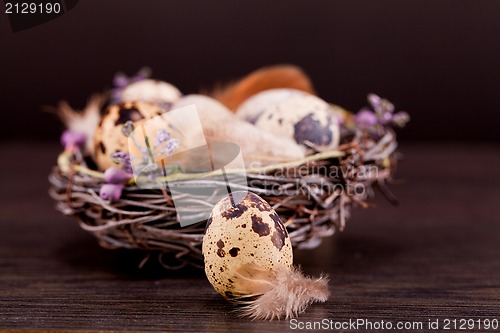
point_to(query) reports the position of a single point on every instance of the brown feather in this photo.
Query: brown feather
(284, 293)
(278, 76)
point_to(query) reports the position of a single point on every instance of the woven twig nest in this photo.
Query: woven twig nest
(313, 197)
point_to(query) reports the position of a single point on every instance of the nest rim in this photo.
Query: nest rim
(147, 219)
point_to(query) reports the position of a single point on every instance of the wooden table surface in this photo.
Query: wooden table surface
(436, 256)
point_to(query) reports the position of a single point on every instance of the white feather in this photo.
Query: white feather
(85, 121)
(284, 293)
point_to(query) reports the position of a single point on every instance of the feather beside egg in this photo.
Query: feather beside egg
(248, 258)
(265, 78)
(83, 122)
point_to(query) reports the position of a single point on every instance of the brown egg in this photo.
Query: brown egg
(243, 229)
(109, 137)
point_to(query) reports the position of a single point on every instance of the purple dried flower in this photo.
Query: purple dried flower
(366, 118)
(128, 128)
(401, 118)
(171, 146)
(161, 136)
(380, 105)
(122, 158)
(388, 106)
(120, 80)
(383, 113)
(119, 157)
(71, 139)
(375, 102)
(115, 175)
(127, 166)
(111, 192)
(385, 118)
(143, 74)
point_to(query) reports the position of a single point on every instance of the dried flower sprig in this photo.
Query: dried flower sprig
(381, 114)
(123, 159)
(73, 140)
(162, 145)
(115, 179)
(128, 128)
(115, 175)
(111, 192)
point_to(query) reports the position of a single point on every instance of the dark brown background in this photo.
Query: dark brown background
(439, 60)
(433, 257)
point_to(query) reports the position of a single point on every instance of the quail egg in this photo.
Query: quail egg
(109, 138)
(304, 119)
(153, 91)
(243, 229)
(253, 107)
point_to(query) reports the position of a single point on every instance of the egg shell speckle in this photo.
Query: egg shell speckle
(153, 91)
(253, 107)
(109, 138)
(243, 228)
(302, 118)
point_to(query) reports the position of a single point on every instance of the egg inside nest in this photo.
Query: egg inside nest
(305, 118)
(251, 109)
(243, 229)
(109, 138)
(153, 91)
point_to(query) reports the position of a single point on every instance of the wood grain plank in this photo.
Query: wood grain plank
(435, 256)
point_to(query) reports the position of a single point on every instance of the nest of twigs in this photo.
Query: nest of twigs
(313, 197)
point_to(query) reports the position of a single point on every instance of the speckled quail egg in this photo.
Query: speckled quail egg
(109, 138)
(304, 119)
(253, 107)
(153, 91)
(243, 229)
